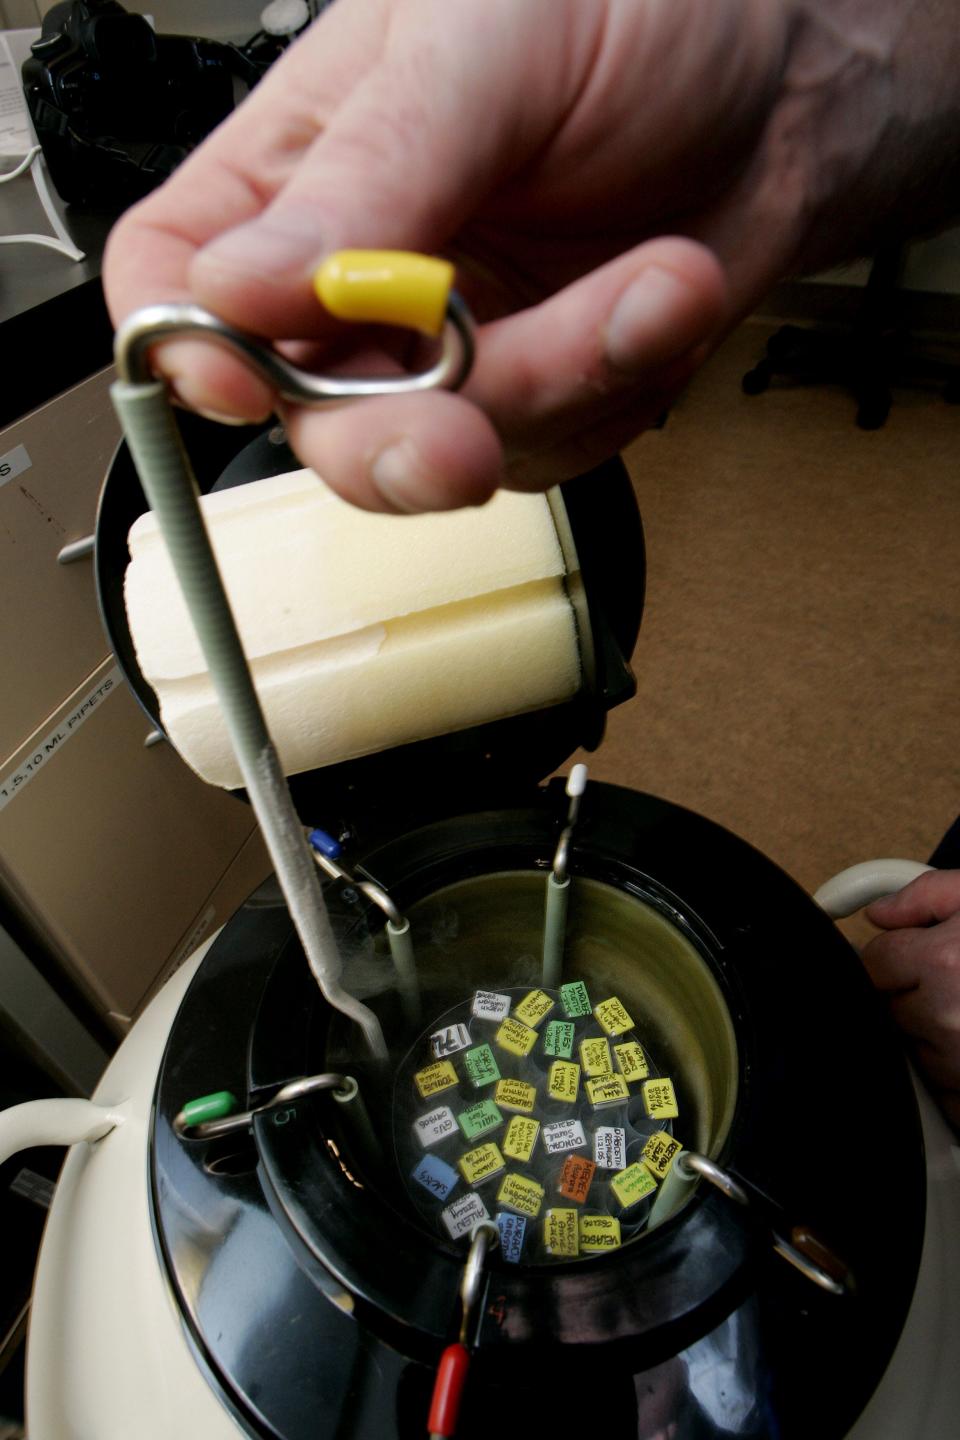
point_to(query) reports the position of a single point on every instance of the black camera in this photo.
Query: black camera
(117, 107)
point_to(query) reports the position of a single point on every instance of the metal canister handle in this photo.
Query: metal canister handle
(802, 1250)
(343, 1085)
(370, 286)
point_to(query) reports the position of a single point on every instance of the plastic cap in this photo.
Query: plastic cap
(577, 782)
(387, 287)
(325, 844)
(284, 17)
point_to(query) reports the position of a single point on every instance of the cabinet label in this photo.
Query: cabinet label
(14, 463)
(15, 781)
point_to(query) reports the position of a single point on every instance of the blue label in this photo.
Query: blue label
(436, 1176)
(512, 1229)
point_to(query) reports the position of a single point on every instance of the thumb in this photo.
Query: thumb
(409, 153)
(932, 897)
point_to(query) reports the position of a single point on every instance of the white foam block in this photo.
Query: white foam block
(363, 631)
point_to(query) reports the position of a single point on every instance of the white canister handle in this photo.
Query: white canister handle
(861, 884)
(52, 1122)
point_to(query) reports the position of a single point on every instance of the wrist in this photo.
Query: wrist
(871, 95)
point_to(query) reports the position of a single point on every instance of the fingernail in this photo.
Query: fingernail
(398, 473)
(650, 323)
(290, 243)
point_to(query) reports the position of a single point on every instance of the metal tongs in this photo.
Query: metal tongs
(385, 287)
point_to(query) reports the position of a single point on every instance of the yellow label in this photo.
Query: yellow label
(561, 1233)
(515, 1095)
(595, 1056)
(599, 1232)
(659, 1152)
(631, 1061)
(633, 1184)
(515, 1037)
(479, 1164)
(660, 1100)
(612, 1016)
(435, 1078)
(606, 1090)
(563, 1081)
(519, 1193)
(520, 1138)
(533, 1007)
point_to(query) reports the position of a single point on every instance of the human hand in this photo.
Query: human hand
(616, 181)
(916, 964)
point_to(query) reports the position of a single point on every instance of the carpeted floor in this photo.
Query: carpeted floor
(798, 661)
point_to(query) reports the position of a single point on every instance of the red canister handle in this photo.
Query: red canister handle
(447, 1390)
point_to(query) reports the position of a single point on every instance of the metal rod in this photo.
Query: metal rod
(554, 931)
(357, 1120)
(405, 965)
(286, 1095)
(674, 1189)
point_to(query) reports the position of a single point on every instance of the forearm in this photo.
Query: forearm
(875, 86)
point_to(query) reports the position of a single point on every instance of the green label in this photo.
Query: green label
(558, 1039)
(479, 1118)
(576, 1001)
(481, 1067)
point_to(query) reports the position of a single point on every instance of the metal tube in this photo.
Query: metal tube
(168, 482)
(554, 930)
(357, 1121)
(404, 963)
(673, 1191)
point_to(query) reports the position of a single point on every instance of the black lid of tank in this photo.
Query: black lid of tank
(482, 761)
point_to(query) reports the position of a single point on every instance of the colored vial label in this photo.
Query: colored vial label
(561, 1233)
(595, 1056)
(432, 1128)
(558, 1039)
(515, 1095)
(659, 1153)
(607, 1090)
(610, 1147)
(575, 1000)
(478, 1119)
(512, 1230)
(612, 1016)
(515, 1037)
(563, 1081)
(660, 1100)
(463, 1214)
(599, 1232)
(449, 1041)
(520, 1193)
(481, 1066)
(576, 1178)
(480, 1164)
(533, 1007)
(489, 1005)
(436, 1176)
(435, 1078)
(563, 1135)
(520, 1138)
(631, 1061)
(633, 1184)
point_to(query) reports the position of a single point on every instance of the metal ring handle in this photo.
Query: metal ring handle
(154, 323)
(691, 1163)
(370, 888)
(486, 1236)
(286, 1095)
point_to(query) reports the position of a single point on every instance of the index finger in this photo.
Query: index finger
(229, 180)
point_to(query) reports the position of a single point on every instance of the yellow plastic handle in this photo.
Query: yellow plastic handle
(387, 287)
